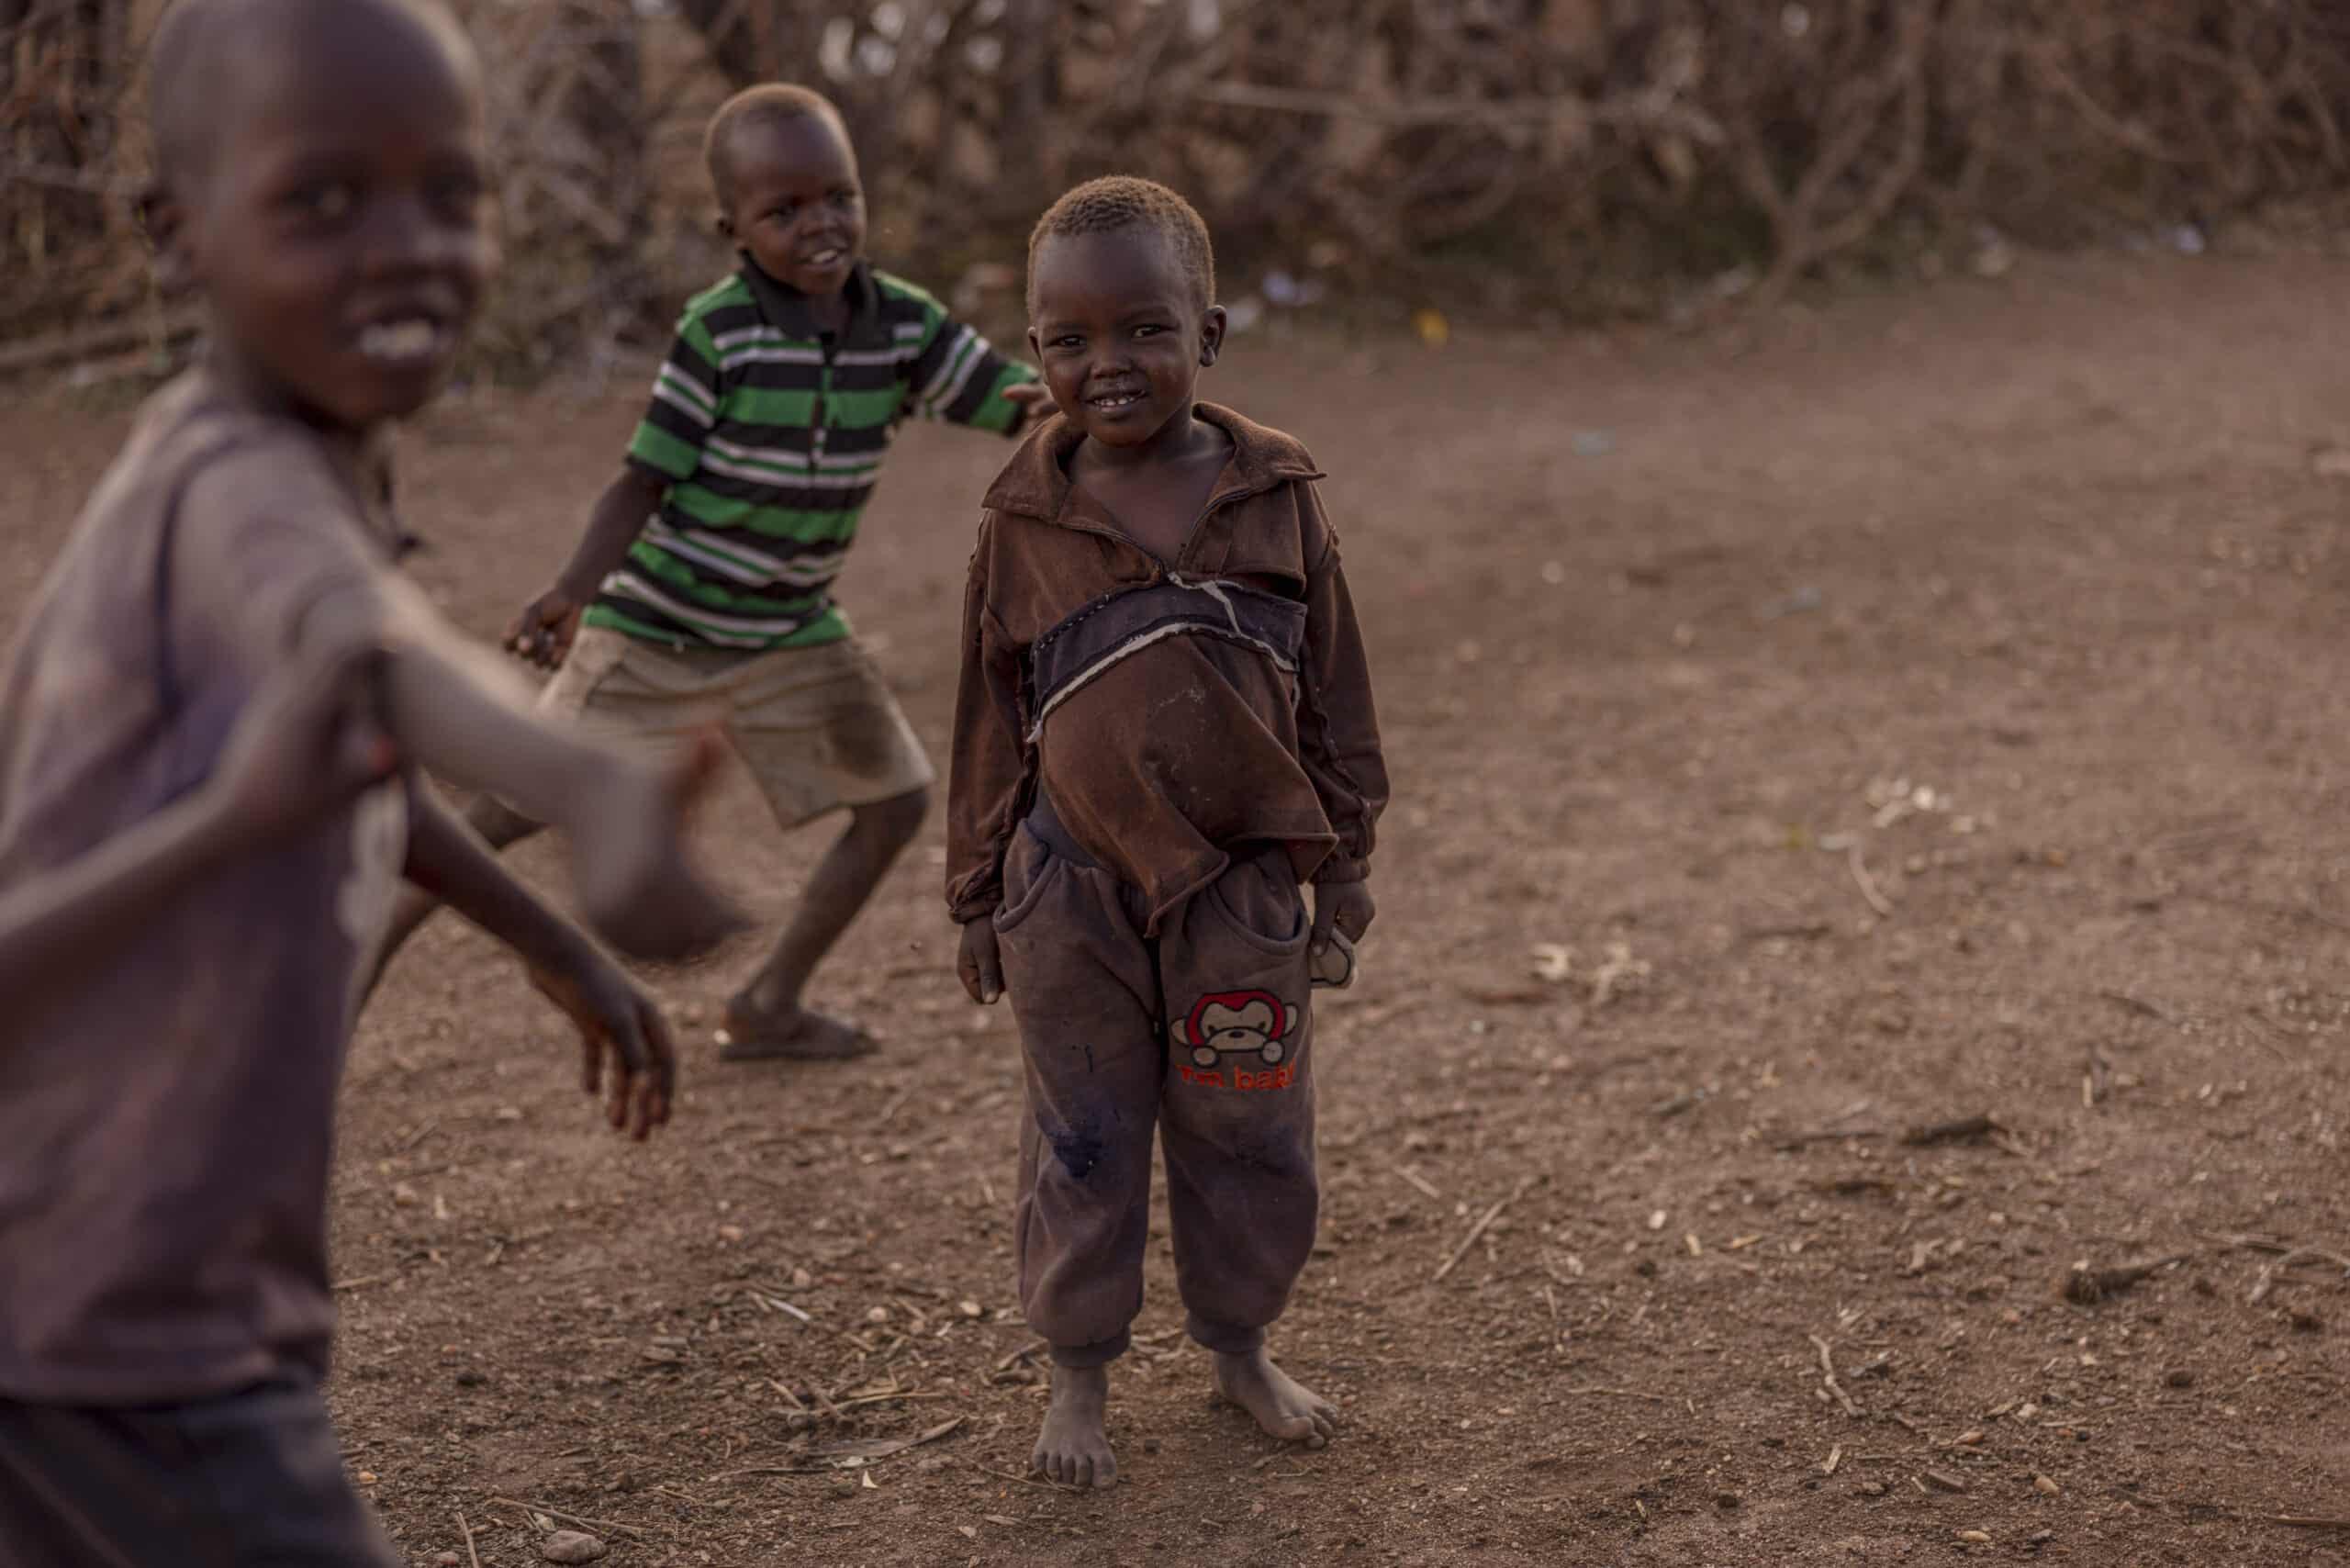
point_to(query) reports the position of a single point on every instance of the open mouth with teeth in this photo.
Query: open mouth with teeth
(824, 259)
(1113, 402)
(414, 339)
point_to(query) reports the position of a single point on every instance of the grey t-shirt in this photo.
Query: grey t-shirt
(166, 1132)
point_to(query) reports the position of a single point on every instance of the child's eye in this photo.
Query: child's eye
(1071, 342)
(1148, 331)
(845, 198)
(323, 201)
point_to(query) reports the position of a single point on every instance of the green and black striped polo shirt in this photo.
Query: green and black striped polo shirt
(769, 433)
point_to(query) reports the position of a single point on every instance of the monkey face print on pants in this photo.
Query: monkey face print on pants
(1243, 1023)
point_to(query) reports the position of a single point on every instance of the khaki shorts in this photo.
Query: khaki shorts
(817, 726)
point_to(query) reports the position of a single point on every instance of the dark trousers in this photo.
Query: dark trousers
(1203, 1033)
(248, 1480)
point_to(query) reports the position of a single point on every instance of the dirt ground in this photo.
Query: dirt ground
(1928, 707)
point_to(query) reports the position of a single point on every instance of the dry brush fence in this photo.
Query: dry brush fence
(1586, 156)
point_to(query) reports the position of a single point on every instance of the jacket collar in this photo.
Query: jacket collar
(1036, 483)
(787, 308)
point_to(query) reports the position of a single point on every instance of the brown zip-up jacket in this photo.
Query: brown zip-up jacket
(1172, 711)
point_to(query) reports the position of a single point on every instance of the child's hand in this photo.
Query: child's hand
(307, 742)
(616, 1018)
(541, 634)
(981, 962)
(638, 888)
(1346, 907)
(1034, 397)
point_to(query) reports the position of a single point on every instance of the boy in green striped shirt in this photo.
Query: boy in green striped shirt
(703, 583)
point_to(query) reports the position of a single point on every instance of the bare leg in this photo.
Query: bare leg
(497, 824)
(1074, 1447)
(1285, 1407)
(767, 1018)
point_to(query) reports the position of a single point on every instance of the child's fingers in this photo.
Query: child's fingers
(980, 962)
(628, 1070)
(1325, 916)
(981, 981)
(660, 1076)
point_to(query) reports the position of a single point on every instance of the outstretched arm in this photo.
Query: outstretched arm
(614, 1018)
(541, 633)
(689, 391)
(958, 377)
(269, 549)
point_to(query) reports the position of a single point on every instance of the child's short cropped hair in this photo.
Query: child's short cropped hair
(196, 47)
(770, 104)
(1123, 201)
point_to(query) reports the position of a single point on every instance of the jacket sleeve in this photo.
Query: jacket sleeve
(989, 766)
(1339, 726)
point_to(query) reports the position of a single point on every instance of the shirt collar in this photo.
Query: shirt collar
(788, 309)
(1036, 483)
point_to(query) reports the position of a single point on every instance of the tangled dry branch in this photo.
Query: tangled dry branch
(1589, 157)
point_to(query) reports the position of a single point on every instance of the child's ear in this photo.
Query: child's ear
(1211, 335)
(164, 223)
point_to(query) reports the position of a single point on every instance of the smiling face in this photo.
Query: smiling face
(339, 222)
(794, 201)
(1121, 333)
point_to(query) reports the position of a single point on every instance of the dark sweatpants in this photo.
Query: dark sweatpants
(1204, 1031)
(250, 1479)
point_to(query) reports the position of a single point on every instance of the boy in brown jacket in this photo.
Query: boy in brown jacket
(1164, 727)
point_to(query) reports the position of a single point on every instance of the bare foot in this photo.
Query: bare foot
(799, 1034)
(1074, 1448)
(1283, 1406)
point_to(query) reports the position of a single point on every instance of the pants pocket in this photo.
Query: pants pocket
(1259, 901)
(1028, 872)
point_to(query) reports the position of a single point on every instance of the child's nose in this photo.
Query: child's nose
(407, 233)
